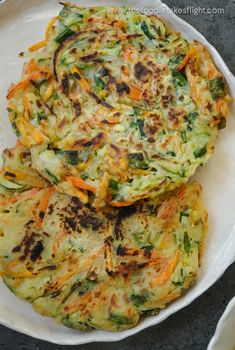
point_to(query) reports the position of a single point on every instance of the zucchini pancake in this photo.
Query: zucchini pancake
(114, 106)
(99, 268)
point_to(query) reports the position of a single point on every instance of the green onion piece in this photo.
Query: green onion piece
(64, 35)
(136, 161)
(113, 184)
(222, 123)
(54, 179)
(187, 244)
(200, 152)
(146, 31)
(217, 88)
(140, 124)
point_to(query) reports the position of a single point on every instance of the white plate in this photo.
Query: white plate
(224, 337)
(22, 24)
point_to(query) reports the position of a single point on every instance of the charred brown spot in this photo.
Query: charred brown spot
(36, 251)
(123, 251)
(62, 123)
(69, 222)
(77, 76)
(122, 87)
(65, 84)
(9, 174)
(91, 58)
(99, 100)
(16, 249)
(167, 100)
(50, 267)
(133, 36)
(77, 108)
(125, 269)
(91, 221)
(75, 201)
(95, 140)
(41, 215)
(140, 71)
(123, 213)
(39, 104)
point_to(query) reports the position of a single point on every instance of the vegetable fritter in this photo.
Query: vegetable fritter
(116, 97)
(101, 268)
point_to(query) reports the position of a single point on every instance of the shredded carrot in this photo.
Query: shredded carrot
(58, 240)
(27, 107)
(118, 24)
(43, 204)
(166, 270)
(26, 128)
(49, 27)
(22, 84)
(222, 107)
(82, 80)
(181, 192)
(21, 196)
(125, 71)
(30, 67)
(37, 46)
(189, 54)
(81, 184)
(49, 91)
(121, 204)
(135, 93)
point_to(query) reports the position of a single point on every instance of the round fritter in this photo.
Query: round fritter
(106, 268)
(129, 110)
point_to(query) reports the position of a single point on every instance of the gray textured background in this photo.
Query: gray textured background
(193, 327)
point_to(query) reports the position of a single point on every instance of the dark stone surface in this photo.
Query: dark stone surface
(193, 327)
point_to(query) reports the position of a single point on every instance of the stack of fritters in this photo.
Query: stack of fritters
(113, 115)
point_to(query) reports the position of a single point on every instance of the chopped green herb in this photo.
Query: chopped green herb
(148, 248)
(192, 115)
(151, 312)
(55, 96)
(183, 214)
(17, 132)
(137, 161)
(146, 31)
(175, 61)
(187, 244)
(133, 124)
(68, 17)
(137, 111)
(113, 184)
(200, 152)
(86, 285)
(139, 299)
(71, 156)
(182, 172)
(41, 116)
(217, 88)
(222, 123)
(99, 84)
(119, 319)
(140, 124)
(171, 153)
(64, 35)
(179, 79)
(184, 136)
(179, 280)
(84, 155)
(54, 179)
